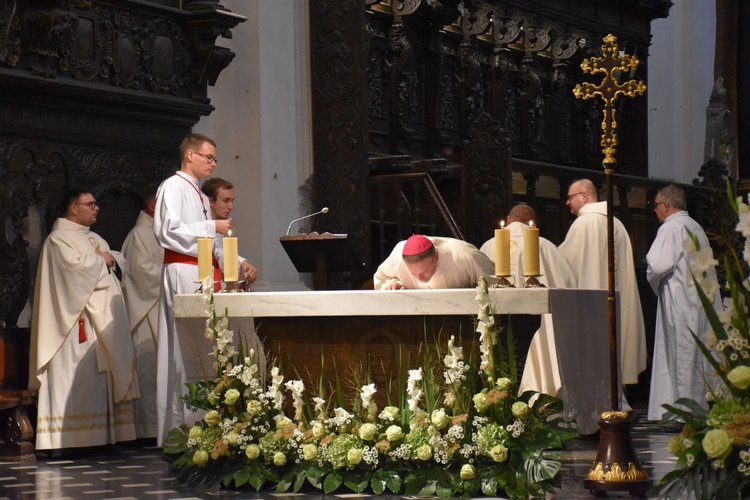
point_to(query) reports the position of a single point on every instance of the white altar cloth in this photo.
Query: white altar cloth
(580, 319)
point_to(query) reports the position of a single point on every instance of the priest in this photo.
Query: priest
(585, 247)
(432, 262)
(81, 357)
(679, 369)
(541, 373)
(142, 281)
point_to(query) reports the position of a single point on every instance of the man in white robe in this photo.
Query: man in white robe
(182, 215)
(432, 262)
(585, 247)
(541, 373)
(220, 194)
(141, 284)
(81, 354)
(678, 367)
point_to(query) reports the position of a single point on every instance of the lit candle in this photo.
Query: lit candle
(205, 253)
(230, 258)
(502, 250)
(531, 250)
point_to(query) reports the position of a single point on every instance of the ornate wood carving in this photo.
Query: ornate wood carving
(487, 178)
(339, 131)
(99, 94)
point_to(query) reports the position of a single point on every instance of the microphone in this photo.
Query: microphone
(324, 211)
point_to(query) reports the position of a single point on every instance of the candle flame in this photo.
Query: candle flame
(502, 224)
(531, 223)
(229, 233)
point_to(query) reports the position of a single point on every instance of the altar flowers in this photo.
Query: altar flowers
(454, 426)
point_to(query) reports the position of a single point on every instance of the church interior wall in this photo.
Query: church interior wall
(680, 80)
(262, 127)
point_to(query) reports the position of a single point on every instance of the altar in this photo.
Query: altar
(329, 333)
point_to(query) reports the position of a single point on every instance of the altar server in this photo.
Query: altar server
(541, 372)
(182, 215)
(679, 369)
(142, 282)
(585, 247)
(432, 262)
(220, 194)
(81, 354)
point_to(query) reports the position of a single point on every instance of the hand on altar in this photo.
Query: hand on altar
(394, 285)
(223, 225)
(249, 272)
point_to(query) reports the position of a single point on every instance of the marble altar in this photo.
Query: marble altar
(352, 326)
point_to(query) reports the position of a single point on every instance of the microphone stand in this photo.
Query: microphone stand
(323, 211)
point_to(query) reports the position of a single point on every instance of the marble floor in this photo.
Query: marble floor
(141, 472)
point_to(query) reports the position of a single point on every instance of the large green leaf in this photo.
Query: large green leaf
(332, 482)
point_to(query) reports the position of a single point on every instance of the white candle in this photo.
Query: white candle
(231, 272)
(531, 250)
(205, 254)
(502, 251)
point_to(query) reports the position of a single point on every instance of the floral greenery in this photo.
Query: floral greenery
(713, 449)
(456, 429)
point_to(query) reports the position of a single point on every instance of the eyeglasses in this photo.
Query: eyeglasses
(208, 158)
(90, 204)
(657, 203)
(571, 196)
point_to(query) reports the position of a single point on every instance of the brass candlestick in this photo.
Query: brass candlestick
(533, 282)
(502, 281)
(616, 466)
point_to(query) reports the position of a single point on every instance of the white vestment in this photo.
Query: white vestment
(678, 367)
(182, 216)
(86, 382)
(541, 373)
(141, 284)
(585, 247)
(460, 264)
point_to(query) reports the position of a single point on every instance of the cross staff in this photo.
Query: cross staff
(616, 466)
(613, 65)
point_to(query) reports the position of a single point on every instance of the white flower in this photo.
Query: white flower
(367, 393)
(320, 406)
(297, 388)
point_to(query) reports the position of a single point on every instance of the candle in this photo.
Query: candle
(502, 251)
(230, 258)
(205, 254)
(531, 250)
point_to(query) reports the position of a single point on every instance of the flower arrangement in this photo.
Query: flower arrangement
(455, 429)
(713, 449)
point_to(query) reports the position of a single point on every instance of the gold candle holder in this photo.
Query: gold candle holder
(532, 282)
(502, 281)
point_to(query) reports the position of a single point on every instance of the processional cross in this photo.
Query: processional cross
(616, 466)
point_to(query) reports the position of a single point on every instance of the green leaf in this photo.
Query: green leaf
(489, 486)
(332, 482)
(285, 482)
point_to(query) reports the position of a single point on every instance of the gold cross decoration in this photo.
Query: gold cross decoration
(614, 65)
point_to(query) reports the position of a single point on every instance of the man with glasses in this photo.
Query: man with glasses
(182, 215)
(81, 355)
(678, 367)
(585, 247)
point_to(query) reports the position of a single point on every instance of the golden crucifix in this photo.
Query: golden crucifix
(614, 65)
(616, 466)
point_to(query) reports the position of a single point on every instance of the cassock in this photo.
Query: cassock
(460, 264)
(182, 215)
(81, 356)
(678, 368)
(541, 373)
(585, 247)
(141, 284)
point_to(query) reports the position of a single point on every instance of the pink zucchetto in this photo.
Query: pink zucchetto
(416, 244)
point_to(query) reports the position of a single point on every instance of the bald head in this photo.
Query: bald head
(521, 213)
(580, 193)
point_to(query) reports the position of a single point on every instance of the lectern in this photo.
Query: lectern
(320, 254)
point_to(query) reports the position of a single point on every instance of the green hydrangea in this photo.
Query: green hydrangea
(339, 448)
(490, 436)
